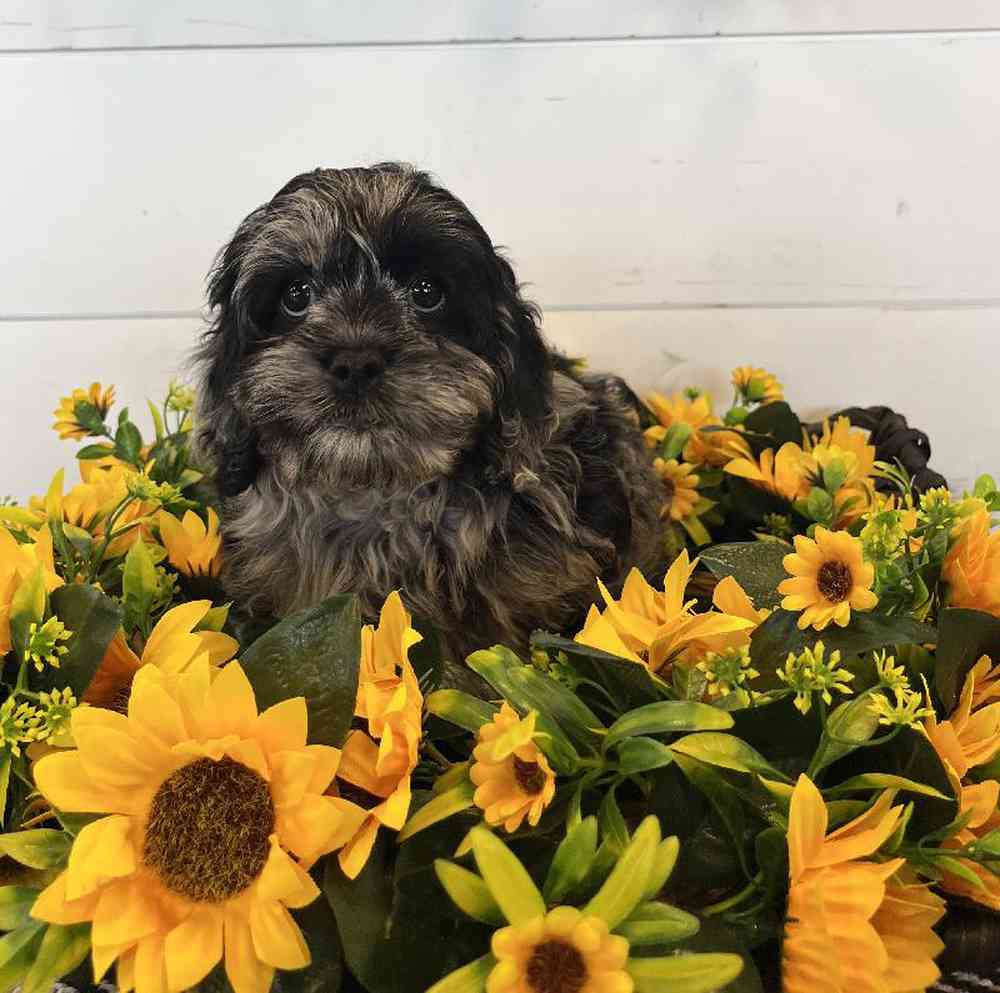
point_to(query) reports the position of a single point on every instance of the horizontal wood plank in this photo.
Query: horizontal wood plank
(936, 367)
(48, 24)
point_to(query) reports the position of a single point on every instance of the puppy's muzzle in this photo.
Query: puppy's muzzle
(355, 371)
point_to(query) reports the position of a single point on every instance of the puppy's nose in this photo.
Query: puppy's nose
(354, 370)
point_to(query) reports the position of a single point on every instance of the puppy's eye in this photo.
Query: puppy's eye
(426, 294)
(296, 297)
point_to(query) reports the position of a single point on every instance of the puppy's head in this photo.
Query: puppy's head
(367, 333)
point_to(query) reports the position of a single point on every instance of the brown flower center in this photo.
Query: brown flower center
(556, 967)
(529, 776)
(209, 828)
(834, 581)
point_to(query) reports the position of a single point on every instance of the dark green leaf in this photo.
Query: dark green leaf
(314, 654)
(777, 422)
(642, 755)
(715, 936)
(93, 618)
(15, 904)
(771, 847)
(780, 634)
(88, 416)
(128, 443)
(668, 717)
(964, 636)
(755, 565)
(95, 452)
(614, 831)
(852, 723)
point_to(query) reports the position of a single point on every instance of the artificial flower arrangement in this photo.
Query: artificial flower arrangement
(778, 767)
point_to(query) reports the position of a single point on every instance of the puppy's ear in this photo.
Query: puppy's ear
(223, 436)
(527, 362)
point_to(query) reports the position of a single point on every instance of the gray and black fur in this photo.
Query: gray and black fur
(464, 464)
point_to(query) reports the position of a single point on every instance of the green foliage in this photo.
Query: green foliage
(756, 565)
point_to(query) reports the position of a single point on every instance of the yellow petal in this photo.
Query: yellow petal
(245, 971)
(125, 913)
(807, 821)
(283, 726)
(284, 879)
(353, 856)
(176, 621)
(276, 937)
(102, 851)
(63, 781)
(193, 948)
(53, 906)
(153, 709)
(150, 967)
(233, 698)
(291, 774)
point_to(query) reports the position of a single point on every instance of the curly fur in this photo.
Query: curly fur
(479, 476)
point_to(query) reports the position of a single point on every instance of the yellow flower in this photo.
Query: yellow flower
(829, 579)
(680, 489)
(192, 548)
(854, 926)
(17, 563)
(844, 437)
(979, 801)
(972, 567)
(812, 672)
(757, 385)
(703, 447)
(512, 776)
(785, 475)
(715, 448)
(656, 628)
(67, 424)
(373, 781)
(212, 815)
(173, 646)
(971, 735)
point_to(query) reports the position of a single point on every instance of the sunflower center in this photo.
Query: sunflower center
(209, 828)
(556, 967)
(834, 581)
(529, 776)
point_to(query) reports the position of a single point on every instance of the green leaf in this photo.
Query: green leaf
(27, 607)
(18, 951)
(41, 848)
(15, 904)
(641, 754)
(94, 619)
(5, 767)
(95, 452)
(128, 443)
(468, 892)
(572, 861)
(614, 830)
(964, 636)
(717, 936)
(396, 940)
(664, 860)
(726, 751)
(623, 890)
(442, 806)
(657, 924)
(881, 781)
(777, 422)
(139, 586)
(460, 708)
(61, 951)
(158, 425)
(314, 654)
(698, 973)
(88, 416)
(215, 618)
(667, 717)
(470, 978)
(756, 565)
(771, 643)
(854, 723)
(508, 880)
(527, 689)
(771, 849)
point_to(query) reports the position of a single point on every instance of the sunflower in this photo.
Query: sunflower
(192, 548)
(785, 474)
(172, 646)
(829, 579)
(656, 628)
(757, 385)
(854, 926)
(17, 562)
(68, 423)
(972, 567)
(212, 811)
(373, 782)
(716, 448)
(568, 949)
(512, 776)
(679, 488)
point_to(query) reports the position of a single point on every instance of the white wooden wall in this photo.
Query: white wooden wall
(687, 186)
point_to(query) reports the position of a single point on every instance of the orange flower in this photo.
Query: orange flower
(980, 800)
(854, 926)
(373, 781)
(972, 567)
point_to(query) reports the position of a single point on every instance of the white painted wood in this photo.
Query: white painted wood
(812, 171)
(937, 367)
(43, 24)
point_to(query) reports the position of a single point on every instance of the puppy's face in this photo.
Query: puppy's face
(368, 333)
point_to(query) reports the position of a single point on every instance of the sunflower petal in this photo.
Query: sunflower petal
(193, 948)
(245, 971)
(102, 851)
(276, 937)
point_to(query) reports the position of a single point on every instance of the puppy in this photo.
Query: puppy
(382, 413)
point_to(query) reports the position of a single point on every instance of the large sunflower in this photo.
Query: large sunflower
(373, 781)
(829, 579)
(212, 811)
(854, 926)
